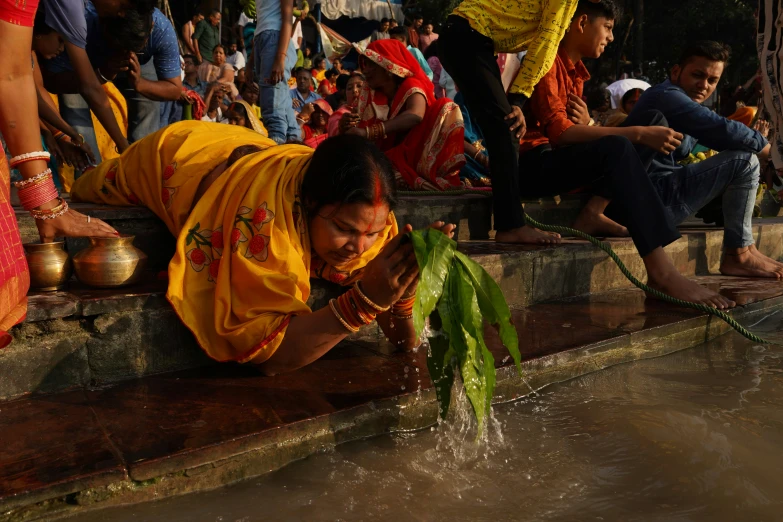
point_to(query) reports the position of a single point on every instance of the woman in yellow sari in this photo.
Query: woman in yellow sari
(261, 225)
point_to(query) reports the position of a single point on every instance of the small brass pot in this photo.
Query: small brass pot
(110, 262)
(49, 264)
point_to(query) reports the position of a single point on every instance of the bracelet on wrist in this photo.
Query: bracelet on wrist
(29, 156)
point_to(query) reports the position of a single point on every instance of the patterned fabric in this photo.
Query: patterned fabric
(430, 155)
(535, 26)
(243, 262)
(770, 48)
(253, 119)
(14, 277)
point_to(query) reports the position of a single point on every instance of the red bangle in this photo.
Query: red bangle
(33, 196)
(15, 162)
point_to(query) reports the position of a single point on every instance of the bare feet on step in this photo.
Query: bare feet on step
(749, 262)
(676, 285)
(528, 235)
(599, 225)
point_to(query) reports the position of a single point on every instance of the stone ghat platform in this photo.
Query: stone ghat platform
(203, 428)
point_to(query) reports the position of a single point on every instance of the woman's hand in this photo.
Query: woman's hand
(307, 111)
(447, 229)
(348, 121)
(53, 146)
(75, 156)
(387, 276)
(73, 224)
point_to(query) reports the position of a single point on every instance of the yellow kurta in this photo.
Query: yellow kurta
(535, 26)
(243, 262)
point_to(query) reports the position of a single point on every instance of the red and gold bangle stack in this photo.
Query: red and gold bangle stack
(376, 132)
(51, 213)
(354, 309)
(403, 309)
(30, 156)
(36, 191)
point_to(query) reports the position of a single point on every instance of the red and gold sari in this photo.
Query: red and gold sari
(430, 155)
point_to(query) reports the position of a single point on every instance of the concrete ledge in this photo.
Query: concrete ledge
(622, 325)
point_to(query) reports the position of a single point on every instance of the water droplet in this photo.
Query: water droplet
(566, 325)
(402, 387)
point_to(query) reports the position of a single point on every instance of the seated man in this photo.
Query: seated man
(301, 95)
(733, 174)
(562, 152)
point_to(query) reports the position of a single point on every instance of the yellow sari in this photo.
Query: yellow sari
(243, 262)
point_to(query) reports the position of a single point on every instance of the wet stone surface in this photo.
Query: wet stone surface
(146, 428)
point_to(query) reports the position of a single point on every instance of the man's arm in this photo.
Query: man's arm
(542, 51)
(196, 35)
(92, 91)
(711, 129)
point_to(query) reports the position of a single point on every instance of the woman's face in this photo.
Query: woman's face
(237, 120)
(376, 75)
(341, 233)
(319, 119)
(353, 89)
(219, 56)
(48, 45)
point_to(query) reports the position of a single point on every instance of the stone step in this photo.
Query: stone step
(200, 429)
(84, 336)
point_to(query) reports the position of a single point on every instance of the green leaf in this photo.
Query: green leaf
(492, 304)
(434, 253)
(439, 363)
(189, 239)
(198, 225)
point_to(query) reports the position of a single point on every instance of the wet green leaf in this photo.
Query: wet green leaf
(493, 306)
(441, 367)
(434, 253)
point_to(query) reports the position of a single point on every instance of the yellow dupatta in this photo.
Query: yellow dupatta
(243, 262)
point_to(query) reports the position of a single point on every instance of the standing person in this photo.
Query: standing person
(207, 36)
(20, 126)
(383, 31)
(427, 37)
(139, 53)
(413, 31)
(770, 16)
(474, 32)
(274, 55)
(187, 33)
(235, 58)
(68, 18)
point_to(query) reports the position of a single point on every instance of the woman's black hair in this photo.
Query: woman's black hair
(629, 94)
(128, 33)
(363, 176)
(240, 152)
(332, 72)
(431, 51)
(318, 59)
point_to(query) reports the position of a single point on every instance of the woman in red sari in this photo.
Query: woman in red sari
(423, 137)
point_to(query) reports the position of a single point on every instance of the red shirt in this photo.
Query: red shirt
(545, 112)
(413, 37)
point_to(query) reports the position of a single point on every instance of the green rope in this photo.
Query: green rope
(660, 295)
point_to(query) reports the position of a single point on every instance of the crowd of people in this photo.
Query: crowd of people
(225, 131)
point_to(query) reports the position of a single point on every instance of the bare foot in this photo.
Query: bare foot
(747, 264)
(756, 252)
(676, 285)
(527, 235)
(599, 225)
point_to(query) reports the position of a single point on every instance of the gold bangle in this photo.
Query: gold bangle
(340, 317)
(367, 300)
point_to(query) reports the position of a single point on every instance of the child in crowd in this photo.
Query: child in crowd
(561, 152)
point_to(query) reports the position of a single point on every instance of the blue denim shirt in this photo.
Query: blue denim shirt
(296, 95)
(697, 123)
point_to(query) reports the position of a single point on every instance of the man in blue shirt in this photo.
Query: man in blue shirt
(733, 174)
(401, 34)
(139, 53)
(301, 95)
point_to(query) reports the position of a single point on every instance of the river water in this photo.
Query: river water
(693, 436)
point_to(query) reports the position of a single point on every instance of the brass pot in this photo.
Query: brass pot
(49, 264)
(110, 262)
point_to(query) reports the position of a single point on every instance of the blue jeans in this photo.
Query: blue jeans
(732, 174)
(276, 108)
(143, 113)
(75, 110)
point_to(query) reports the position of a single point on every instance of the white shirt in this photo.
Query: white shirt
(237, 60)
(218, 118)
(243, 20)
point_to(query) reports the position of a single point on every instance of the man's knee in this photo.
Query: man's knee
(649, 118)
(613, 147)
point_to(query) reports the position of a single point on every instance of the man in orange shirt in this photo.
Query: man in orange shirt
(562, 151)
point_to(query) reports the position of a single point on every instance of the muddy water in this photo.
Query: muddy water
(697, 435)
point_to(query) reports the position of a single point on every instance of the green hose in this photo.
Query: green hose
(606, 248)
(627, 273)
